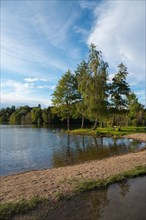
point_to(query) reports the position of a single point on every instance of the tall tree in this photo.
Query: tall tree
(98, 85)
(82, 76)
(119, 91)
(65, 97)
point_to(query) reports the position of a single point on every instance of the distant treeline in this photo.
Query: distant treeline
(26, 115)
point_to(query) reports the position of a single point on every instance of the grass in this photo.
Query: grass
(92, 184)
(10, 209)
(108, 131)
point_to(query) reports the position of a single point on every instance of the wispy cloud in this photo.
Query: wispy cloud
(34, 37)
(119, 32)
(24, 93)
(35, 80)
(85, 4)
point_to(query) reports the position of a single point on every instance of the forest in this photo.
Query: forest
(86, 96)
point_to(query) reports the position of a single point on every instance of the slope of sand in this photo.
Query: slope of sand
(48, 183)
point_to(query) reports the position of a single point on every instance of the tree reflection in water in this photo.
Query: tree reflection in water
(77, 149)
(125, 187)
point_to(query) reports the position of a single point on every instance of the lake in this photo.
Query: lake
(26, 148)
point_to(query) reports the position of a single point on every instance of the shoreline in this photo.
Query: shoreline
(50, 181)
(55, 184)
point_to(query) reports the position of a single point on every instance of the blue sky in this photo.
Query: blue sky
(41, 40)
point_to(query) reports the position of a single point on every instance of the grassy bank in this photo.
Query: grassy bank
(108, 131)
(10, 209)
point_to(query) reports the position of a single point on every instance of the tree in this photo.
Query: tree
(97, 89)
(119, 90)
(65, 97)
(135, 108)
(18, 116)
(5, 114)
(82, 76)
(36, 114)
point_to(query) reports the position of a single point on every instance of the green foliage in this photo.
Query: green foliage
(136, 112)
(65, 96)
(82, 76)
(7, 210)
(92, 81)
(5, 114)
(108, 131)
(120, 88)
(36, 114)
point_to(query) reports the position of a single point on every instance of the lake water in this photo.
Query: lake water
(121, 201)
(31, 148)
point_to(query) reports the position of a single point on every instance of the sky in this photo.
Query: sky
(42, 39)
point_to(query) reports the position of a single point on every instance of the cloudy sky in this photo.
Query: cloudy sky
(41, 40)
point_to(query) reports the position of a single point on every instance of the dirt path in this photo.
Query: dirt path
(50, 182)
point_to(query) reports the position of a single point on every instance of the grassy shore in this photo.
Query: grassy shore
(10, 209)
(108, 131)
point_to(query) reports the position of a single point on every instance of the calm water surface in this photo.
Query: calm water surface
(28, 148)
(122, 201)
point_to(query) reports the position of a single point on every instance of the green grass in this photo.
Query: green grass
(10, 209)
(108, 131)
(92, 184)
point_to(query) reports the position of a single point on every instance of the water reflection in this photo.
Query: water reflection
(126, 200)
(125, 187)
(81, 148)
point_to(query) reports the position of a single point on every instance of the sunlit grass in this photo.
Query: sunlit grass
(92, 184)
(108, 131)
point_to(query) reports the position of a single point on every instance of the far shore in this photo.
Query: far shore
(51, 182)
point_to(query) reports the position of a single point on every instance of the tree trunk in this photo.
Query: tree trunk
(68, 127)
(102, 124)
(113, 122)
(82, 125)
(95, 142)
(95, 124)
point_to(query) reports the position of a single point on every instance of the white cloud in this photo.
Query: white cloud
(19, 99)
(19, 93)
(119, 32)
(35, 80)
(31, 79)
